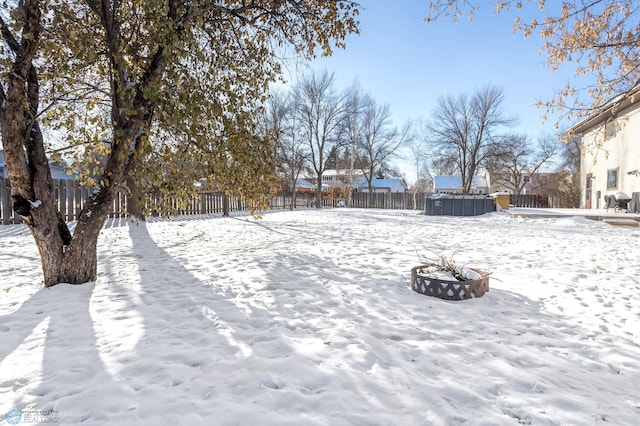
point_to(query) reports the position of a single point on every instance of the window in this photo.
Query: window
(610, 129)
(612, 179)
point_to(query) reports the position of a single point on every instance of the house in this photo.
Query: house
(57, 172)
(453, 184)
(611, 153)
(303, 185)
(381, 185)
(355, 179)
(341, 177)
(534, 181)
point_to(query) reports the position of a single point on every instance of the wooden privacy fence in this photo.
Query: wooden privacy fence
(70, 198)
(529, 200)
(388, 200)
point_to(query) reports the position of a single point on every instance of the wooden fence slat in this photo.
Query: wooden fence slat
(5, 198)
(65, 201)
(3, 209)
(7, 215)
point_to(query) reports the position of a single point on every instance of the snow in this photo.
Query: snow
(307, 317)
(470, 274)
(437, 273)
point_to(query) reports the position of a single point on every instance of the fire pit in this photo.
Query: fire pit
(424, 281)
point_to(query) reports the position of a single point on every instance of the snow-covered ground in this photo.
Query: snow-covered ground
(307, 318)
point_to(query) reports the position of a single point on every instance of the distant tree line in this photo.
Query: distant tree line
(319, 127)
(470, 134)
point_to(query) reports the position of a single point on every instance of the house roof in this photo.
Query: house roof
(56, 171)
(303, 183)
(610, 110)
(382, 183)
(342, 172)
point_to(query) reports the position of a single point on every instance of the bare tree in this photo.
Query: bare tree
(419, 156)
(443, 166)
(464, 131)
(378, 140)
(293, 153)
(516, 160)
(351, 129)
(424, 178)
(566, 185)
(571, 155)
(519, 162)
(319, 109)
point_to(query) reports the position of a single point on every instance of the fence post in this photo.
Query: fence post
(5, 205)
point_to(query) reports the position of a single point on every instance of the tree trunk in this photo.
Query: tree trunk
(319, 192)
(75, 264)
(135, 199)
(225, 205)
(65, 258)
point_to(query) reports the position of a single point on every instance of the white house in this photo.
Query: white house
(334, 177)
(453, 184)
(611, 151)
(356, 180)
(382, 185)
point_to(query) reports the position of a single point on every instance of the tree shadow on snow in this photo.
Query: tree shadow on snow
(55, 327)
(132, 349)
(195, 340)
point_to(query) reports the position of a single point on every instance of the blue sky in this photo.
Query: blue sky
(408, 64)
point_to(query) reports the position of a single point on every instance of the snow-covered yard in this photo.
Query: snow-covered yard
(307, 318)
